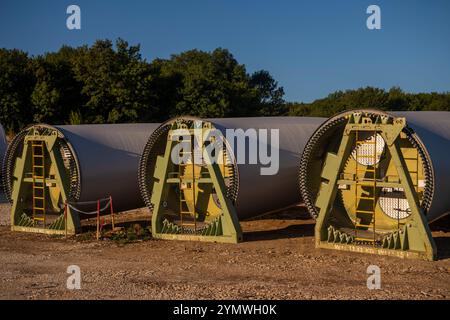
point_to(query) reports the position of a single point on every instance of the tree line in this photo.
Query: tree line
(393, 99)
(111, 83)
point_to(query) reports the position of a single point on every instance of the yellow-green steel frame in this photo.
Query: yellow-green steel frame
(228, 228)
(22, 185)
(414, 240)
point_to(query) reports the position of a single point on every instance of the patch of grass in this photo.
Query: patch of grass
(132, 234)
(57, 236)
(122, 236)
(87, 236)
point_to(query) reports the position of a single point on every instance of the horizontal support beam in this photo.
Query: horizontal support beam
(40, 230)
(199, 180)
(380, 184)
(30, 180)
(406, 254)
(190, 237)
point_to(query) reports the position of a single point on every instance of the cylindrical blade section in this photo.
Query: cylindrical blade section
(108, 157)
(433, 131)
(260, 186)
(101, 161)
(428, 132)
(3, 146)
(257, 192)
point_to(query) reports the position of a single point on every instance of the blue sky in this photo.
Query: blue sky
(311, 47)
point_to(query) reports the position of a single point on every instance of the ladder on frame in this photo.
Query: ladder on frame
(187, 212)
(38, 176)
(370, 182)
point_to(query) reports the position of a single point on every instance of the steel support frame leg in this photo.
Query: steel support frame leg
(73, 221)
(231, 228)
(420, 242)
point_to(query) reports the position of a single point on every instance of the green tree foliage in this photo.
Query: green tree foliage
(16, 84)
(116, 82)
(371, 98)
(271, 102)
(111, 82)
(210, 84)
(56, 93)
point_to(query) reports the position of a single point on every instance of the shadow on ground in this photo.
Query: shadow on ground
(292, 231)
(443, 247)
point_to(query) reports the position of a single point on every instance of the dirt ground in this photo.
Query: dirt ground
(277, 261)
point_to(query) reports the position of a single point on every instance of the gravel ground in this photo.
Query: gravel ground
(4, 211)
(277, 261)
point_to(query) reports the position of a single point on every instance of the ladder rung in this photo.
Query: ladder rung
(39, 219)
(37, 166)
(38, 156)
(363, 225)
(38, 177)
(39, 198)
(366, 198)
(186, 212)
(364, 211)
(365, 239)
(188, 224)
